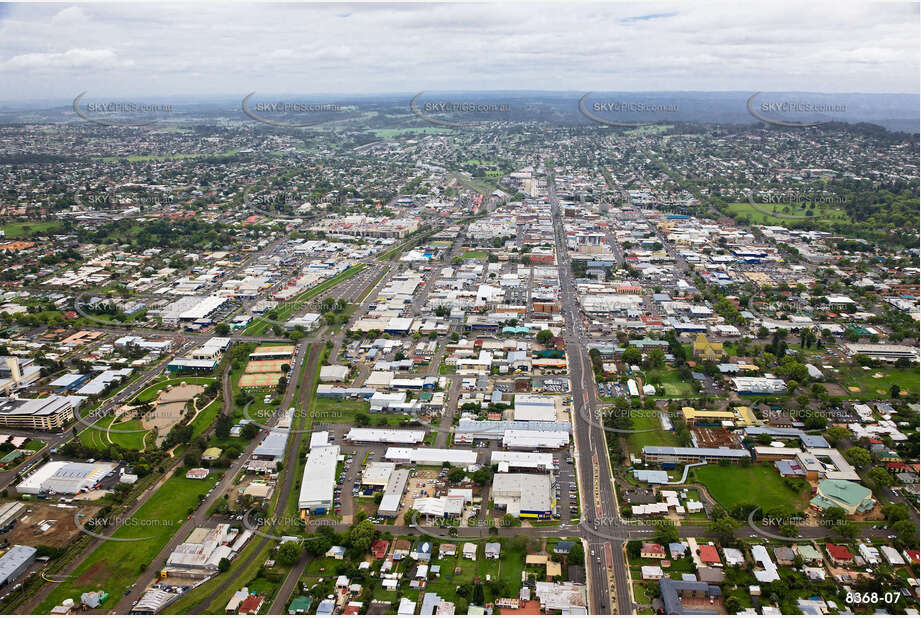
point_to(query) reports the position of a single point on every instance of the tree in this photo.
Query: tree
(222, 426)
(223, 565)
(837, 433)
(249, 431)
(655, 359)
(788, 530)
(723, 529)
(544, 337)
(880, 477)
(858, 457)
(456, 475)
(894, 391)
(905, 532)
(478, 596)
(289, 553)
(192, 458)
(510, 521)
(666, 531)
(631, 355)
(222, 329)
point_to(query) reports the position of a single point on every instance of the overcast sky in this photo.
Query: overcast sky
(52, 51)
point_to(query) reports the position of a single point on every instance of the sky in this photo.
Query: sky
(56, 51)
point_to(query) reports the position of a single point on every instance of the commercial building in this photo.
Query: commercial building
(674, 592)
(431, 456)
(48, 414)
(535, 408)
(880, 351)
(469, 430)
(530, 440)
(316, 495)
(393, 493)
(385, 436)
(759, 386)
(524, 495)
(519, 460)
(201, 553)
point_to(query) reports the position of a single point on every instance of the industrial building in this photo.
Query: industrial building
(64, 477)
(15, 562)
(523, 495)
(316, 495)
(393, 493)
(519, 460)
(431, 456)
(535, 408)
(386, 436)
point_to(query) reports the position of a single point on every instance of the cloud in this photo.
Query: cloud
(98, 59)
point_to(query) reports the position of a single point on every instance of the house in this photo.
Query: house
(677, 550)
(809, 554)
(709, 555)
(493, 550)
(469, 551)
(326, 607)
(654, 573)
(379, 548)
(710, 575)
(422, 552)
(401, 549)
(299, 605)
(784, 555)
(733, 556)
(447, 549)
(839, 554)
(563, 547)
(337, 552)
(652, 551)
(251, 605)
(892, 556)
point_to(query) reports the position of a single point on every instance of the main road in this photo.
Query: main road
(599, 501)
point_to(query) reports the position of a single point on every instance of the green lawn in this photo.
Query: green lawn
(647, 419)
(25, 229)
(755, 484)
(150, 393)
(674, 386)
(475, 255)
(875, 388)
(777, 214)
(115, 565)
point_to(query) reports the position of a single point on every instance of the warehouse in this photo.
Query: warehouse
(48, 414)
(674, 455)
(469, 430)
(316, 495)
(393, 493)
(191, 365)
(529, 440)
(64, 477)
(535, 408)
(201, 553)
(518, 460)
(431, 456)
(377, 473)
(190, 309)
(523, 495)
(15, 562)
(385, 436)
(272, 447)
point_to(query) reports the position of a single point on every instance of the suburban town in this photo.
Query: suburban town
(399, 360)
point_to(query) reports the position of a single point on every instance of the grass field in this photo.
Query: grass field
(96, 438)
(645, 419)
(475, 255)
(115, 565)
(674, 386)
(777, 214)
(150, 393)
(875, 387)
(755, 484)
(25, 229)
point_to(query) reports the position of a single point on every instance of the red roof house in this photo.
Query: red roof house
(838, 553)
(709, 554)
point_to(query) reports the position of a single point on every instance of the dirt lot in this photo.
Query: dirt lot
(61, 532)
(424, 481)
(709, 437)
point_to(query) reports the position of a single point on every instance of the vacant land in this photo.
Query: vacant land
(875, 383)
(115, 565)
(475, 255)
(778, 214)
(755, 484)
(25, 229)
(653, 436)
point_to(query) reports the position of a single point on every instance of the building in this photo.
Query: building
(524, 495)
(653, 551)
(534, 408)
(385, 436)
(64, 477)
(676, 455)
(201, 553)
(51, 413)
(886, 352)
(707, 350)
(759, 386)
(431, 456)
(316, 495)
(393, 493)
(15, 562)
(850, 496)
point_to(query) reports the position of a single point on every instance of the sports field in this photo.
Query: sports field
(266, 366)
(755, 484)
(259, 380)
